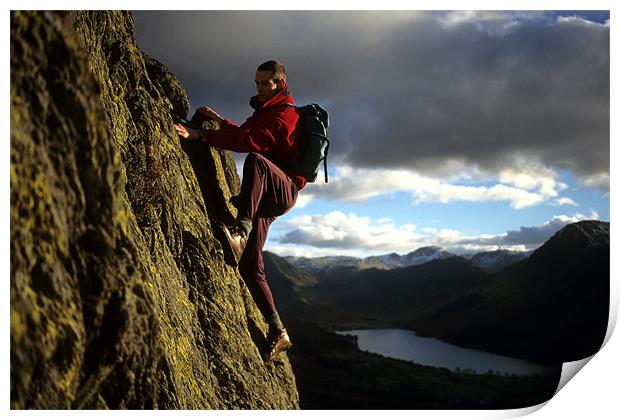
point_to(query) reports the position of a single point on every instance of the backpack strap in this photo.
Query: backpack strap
(325, 162)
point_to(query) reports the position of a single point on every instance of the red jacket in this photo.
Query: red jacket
(270, 131)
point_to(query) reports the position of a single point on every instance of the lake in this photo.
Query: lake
(405, 345)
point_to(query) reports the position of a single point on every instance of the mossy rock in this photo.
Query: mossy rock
(120, 296)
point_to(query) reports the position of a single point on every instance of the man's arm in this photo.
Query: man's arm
(245, 139)
(242, 139)
(210, 113)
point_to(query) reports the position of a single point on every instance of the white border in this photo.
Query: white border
(592, 394)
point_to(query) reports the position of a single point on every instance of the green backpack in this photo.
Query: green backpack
(313, 141)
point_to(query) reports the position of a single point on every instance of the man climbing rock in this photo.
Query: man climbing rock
(269, 187)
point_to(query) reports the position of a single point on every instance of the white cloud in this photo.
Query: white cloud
(564, 201)
(311, 252)
(501, 21)
(445, 193)
(303, 199)
(528, 174)
(337, 233)
(496, 21)
(525, 185)
(338, 230)
(578, 20)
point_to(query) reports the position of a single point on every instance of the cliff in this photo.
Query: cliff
(120, 297)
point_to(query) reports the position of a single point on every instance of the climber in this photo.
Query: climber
(269, 187)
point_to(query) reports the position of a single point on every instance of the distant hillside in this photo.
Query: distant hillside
(494, 261)
(286, 282)
(332, 373)
(332, 264)
(393, 295)
(552, 306)
(491, 261)
(291, 287)
(417, 257)
(346, 264)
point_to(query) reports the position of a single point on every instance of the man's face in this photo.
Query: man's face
(266, 86)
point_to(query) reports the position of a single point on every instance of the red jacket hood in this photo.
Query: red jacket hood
(282, 97)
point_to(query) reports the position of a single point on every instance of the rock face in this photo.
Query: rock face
(120, 297)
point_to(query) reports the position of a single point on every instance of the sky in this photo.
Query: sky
(466, 130)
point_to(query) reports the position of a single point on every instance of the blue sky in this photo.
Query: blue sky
(466, 130)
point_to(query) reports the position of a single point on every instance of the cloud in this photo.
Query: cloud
(523, 187)
(303, 200)
(493, 21)
(600, 181)
(538, 90)
(532, 236)
(413, 90)
(347, 231)
(502, 21)
(337, 233)
(564, 201)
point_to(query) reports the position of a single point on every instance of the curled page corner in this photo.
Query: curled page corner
(613, 315)
(569, 370)
(521, 412)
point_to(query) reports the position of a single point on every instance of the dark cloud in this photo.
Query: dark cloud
(535, 235)
(528, 236)
(408, 90)
(305, 237)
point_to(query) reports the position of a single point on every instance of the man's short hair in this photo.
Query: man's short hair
(275, 67)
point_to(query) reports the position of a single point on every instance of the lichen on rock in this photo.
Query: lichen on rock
(120, 296)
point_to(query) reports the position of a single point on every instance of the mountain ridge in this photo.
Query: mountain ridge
(552, 306)
(490, 260)
(532, 308)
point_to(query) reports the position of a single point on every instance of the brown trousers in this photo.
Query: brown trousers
(266, 193)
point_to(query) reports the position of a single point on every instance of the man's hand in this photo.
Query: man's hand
(208, 112)
(187, 132)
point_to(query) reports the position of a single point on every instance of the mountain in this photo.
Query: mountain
(575, 240)
(391, 296)
(292, 290)
(119, 293)
(345, 264)
(494, 261)
(491, 261)
(332, 373)
(551, 307)
(322, 265)
(417, 257)
(286, 282)
(424, 255)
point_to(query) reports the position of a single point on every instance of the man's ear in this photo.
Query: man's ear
(280, 83)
